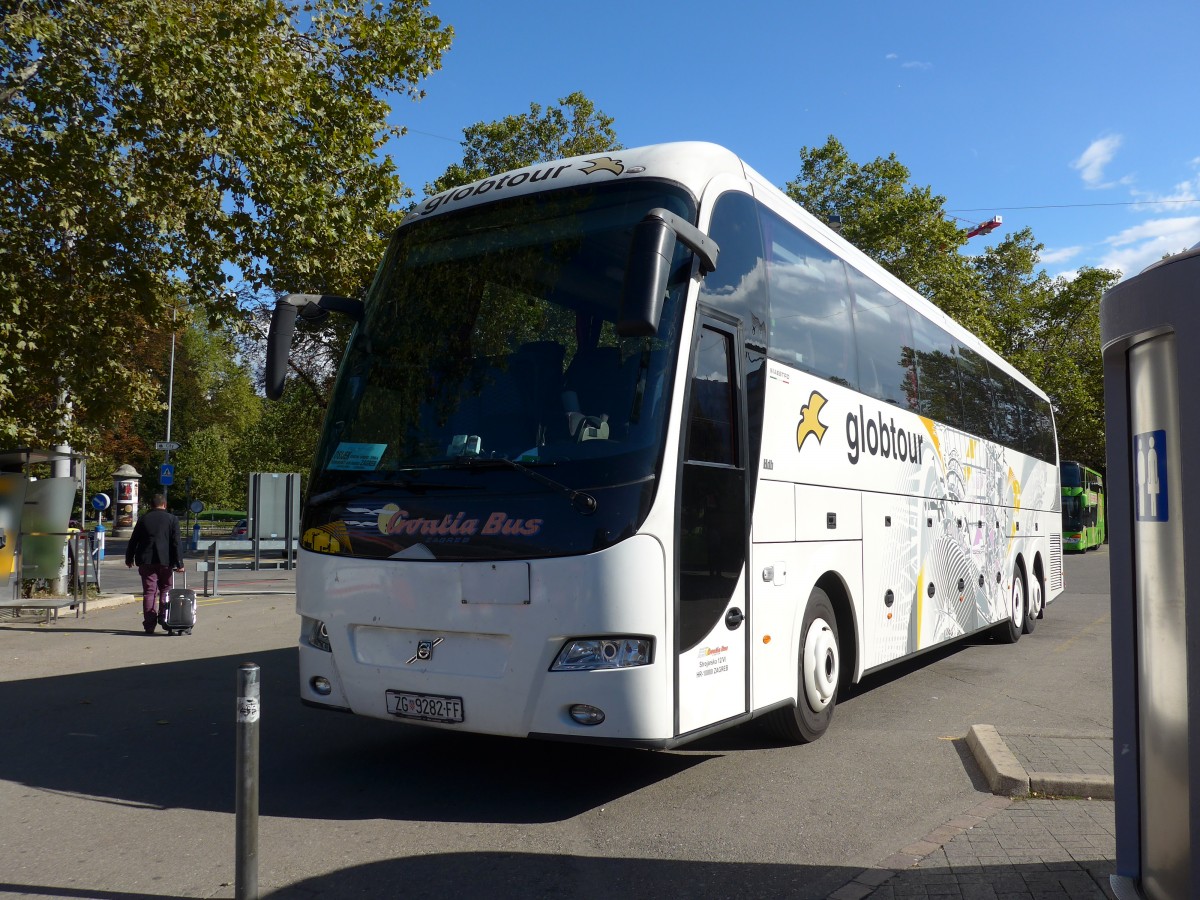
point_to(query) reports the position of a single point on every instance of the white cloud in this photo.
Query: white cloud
(1062, 254)
(1183, 196)
(1092, 161)
(909, 64)
(1133, 249)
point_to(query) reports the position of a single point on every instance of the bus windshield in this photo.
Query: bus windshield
(487, 365)
(1072, 475)
(1072, 513)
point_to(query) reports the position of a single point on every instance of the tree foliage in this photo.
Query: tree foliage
(1048, 328)
(160, 153)
(572, 128)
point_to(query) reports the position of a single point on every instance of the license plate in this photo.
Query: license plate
(428, 707)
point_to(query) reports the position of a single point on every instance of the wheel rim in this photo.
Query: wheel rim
(1035, 601)
(821, 665)
(1017, 605)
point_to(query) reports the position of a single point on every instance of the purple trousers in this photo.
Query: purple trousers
(156, 581)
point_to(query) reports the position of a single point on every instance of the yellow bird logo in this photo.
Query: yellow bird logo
(810, 420)
(603, 164)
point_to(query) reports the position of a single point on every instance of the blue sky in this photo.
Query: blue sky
(1077, 120)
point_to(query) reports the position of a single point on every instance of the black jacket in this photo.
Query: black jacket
(155, 540)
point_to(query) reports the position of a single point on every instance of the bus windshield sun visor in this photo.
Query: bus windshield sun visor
(646, 279)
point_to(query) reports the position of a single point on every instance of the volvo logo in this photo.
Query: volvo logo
(425, 650)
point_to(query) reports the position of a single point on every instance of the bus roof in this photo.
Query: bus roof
(691, 164)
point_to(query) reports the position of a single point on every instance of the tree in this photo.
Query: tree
(1063, 356)
(284, 439)
(573, 128)
(214, 408)
(159, 153)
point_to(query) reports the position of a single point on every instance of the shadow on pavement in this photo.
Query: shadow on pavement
(535, 875)
(163, 736)
(528, 876)
(532, 875)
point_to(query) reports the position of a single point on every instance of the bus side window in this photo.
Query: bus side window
(711, 429)
(884, 335)
(937, 373)
(810, 304)
(975, 379)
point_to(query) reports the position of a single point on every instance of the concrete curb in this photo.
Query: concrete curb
(110, 600)
(1094, 787)
(1005, 775)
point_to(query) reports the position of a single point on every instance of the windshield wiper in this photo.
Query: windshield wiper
(372, 484)
(581, 501)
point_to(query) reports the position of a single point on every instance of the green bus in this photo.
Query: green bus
(1082, 507)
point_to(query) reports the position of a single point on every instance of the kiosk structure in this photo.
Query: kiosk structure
(1149, 327)
(35, 517)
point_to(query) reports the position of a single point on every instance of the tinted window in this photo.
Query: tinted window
(739, 286)
(937, 373)
(1008, 403)
(975, 380)
(1043, 422)
(884, 335)
(810, 304)
(711, 430)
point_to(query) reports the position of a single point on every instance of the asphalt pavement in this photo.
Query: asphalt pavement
(1045, 831)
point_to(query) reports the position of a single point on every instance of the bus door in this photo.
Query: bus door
(711, 627)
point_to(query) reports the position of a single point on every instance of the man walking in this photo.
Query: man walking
(155, 547)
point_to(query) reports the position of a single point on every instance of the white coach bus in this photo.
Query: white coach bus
(630, 448)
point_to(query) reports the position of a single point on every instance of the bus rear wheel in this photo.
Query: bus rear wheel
(819, 671)
(1009, 631)
(1037, 604)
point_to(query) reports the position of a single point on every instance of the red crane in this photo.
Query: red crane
(986, 227)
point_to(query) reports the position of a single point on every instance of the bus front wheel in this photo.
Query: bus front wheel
(819, 670)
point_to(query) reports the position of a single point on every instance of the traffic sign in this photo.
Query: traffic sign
(101, 502)
(166, 445)
(166, 474)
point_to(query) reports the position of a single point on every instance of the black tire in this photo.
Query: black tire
(817, 680)
(1009, 631)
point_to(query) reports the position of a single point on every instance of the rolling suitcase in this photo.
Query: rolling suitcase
(178, 614)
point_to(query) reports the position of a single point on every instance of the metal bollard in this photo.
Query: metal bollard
(246, 802)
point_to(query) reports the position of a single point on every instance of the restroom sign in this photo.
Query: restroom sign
(1150, 476)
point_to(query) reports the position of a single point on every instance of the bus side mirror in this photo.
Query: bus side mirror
(645, 286)
(313, 307)
(650, 252)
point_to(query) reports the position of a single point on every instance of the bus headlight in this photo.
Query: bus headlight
(586, 654)
(316, 634)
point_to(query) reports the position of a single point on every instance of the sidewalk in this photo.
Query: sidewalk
(1051, 843)
(120, 585)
